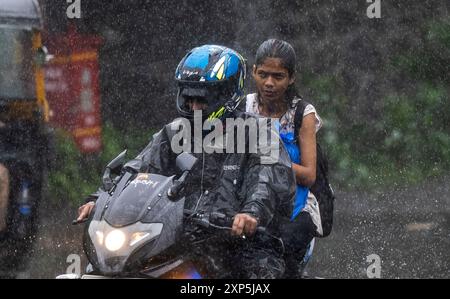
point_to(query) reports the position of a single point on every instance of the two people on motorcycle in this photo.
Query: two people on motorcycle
(249, 182)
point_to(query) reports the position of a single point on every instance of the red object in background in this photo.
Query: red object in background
(72, 87)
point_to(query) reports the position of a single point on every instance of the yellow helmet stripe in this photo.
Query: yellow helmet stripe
(217, 114)
(220, 72)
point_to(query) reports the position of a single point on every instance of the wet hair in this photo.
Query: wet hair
(275, 48)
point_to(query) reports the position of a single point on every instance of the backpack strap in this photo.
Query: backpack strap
(300, 106)
(321, 188)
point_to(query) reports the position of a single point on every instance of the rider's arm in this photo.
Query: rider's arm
(4, 195)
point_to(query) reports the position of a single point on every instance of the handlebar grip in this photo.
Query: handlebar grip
(221, 219)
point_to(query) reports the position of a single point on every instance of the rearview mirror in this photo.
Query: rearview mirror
(117, 161)
(113, 167)
(185, 162)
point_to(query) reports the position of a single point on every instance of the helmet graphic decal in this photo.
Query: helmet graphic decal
(218, 68)
(220, 73)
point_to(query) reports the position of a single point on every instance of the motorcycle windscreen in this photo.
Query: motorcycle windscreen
(134, 201)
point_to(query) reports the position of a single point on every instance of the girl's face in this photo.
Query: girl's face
(272, 79)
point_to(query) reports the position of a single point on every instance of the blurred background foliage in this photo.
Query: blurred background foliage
(410, 139)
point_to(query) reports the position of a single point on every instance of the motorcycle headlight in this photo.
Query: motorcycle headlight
(115, 240)
(110, 249)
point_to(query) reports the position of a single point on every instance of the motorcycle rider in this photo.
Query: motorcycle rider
(211, 79)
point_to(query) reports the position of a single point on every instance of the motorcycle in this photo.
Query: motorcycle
(137, 228)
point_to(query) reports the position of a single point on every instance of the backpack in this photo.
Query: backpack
(321, 189)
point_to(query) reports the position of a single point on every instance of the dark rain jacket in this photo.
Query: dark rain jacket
(229, 182)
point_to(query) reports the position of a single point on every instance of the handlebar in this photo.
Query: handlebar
(221, 221)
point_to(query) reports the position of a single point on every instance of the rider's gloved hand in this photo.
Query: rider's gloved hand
(85, 210)
(244, 224)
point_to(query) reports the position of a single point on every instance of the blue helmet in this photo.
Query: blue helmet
(214, 74)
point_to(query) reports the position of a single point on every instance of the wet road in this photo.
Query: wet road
(408, 230)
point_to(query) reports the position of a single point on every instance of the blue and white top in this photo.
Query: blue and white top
(305, 200)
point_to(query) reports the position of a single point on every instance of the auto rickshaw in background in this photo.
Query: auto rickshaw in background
(25, 136)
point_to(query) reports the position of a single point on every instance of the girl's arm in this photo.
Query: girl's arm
(305, 172)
